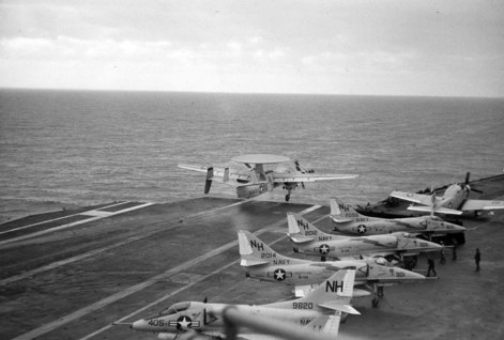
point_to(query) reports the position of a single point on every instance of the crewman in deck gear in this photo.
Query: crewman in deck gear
(441, 253)
(431, 267)
(477, 259)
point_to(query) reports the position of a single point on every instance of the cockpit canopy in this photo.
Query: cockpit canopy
(381, 261)
(407, 235)
(175, 308)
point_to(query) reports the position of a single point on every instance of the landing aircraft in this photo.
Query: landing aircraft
(310, 240)
(349, 221)
(263, 263)
(252, 179)
(331, 298)
(455, 200)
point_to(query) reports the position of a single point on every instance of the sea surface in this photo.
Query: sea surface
(60, 149)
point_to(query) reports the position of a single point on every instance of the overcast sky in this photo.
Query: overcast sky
(392, 47)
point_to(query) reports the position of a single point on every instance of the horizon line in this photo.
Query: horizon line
(2, 88)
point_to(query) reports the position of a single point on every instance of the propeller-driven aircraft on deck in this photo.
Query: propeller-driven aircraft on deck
(327, 301)
(455, 200)
(310, 240)
(349, 221)
(263, 263)
(260, 173)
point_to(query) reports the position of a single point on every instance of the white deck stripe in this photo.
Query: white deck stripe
(54, 219)
(135, 288)
(69, 225)
(98, 251)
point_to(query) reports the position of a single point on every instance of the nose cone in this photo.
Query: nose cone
(452, 227)
(428, 245)
(140, 325)
(407, 274)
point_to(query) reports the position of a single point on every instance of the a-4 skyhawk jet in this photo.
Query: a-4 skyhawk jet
(347, 220)
(261, 173)
(261, 262)
(454, 201)
(310, 240)
(331, 298)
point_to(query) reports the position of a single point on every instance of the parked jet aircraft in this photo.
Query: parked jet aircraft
(263, 263)
(332, 298)
(349, 221)
(253, 179)
(455, 200)
(308, 239)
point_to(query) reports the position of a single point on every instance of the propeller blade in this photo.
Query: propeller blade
(468, 176)
(208, 182)
(477, 191)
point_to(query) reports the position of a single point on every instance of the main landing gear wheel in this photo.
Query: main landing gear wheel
(375, 302)
(287, 198)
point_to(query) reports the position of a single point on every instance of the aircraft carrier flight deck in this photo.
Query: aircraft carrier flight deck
(71, 274)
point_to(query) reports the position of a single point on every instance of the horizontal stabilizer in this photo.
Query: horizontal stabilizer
(339, 307)
(298, 238)
(252, 262)
(357, 293)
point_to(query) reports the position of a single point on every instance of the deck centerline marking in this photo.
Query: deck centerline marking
(135, 288)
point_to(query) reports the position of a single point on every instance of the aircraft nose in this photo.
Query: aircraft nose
(434, 245)
(455, 227)
(413, 275)
(140, 324)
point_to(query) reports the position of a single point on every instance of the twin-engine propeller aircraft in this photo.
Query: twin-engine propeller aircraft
(263, 263)
(253, 178)
(455, 200)
(310, 240)
(349, 221)
(331, 298)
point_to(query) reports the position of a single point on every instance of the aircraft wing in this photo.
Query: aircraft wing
(300, 177)
(222, 175)
(199, 168)
(439, 210)
(472, 205)
(412, 197)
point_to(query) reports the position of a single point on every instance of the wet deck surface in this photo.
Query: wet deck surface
(72, 283)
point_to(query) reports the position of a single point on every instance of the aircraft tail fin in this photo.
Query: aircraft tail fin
(300, 230)
(341, 212)
(254, 252)
(335, 292)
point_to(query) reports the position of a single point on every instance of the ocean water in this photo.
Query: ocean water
(67, 148)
